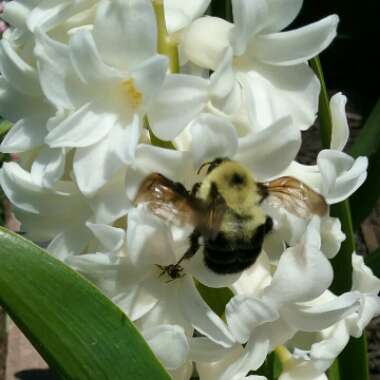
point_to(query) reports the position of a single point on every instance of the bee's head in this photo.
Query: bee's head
(232, 181)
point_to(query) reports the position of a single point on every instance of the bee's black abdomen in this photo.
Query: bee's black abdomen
(224, 256)
(242, 260)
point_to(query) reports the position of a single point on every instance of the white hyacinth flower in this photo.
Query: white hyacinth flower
(269, 65)
(314, 353)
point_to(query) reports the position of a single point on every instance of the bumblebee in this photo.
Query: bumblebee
(226, 211)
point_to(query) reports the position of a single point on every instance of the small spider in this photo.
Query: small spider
(174, 271)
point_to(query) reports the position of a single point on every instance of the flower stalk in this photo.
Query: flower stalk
(165, 46)
(356, 350)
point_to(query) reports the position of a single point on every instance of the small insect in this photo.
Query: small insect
(226, 212)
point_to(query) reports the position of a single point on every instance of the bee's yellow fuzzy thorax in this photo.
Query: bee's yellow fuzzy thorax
(235, 184)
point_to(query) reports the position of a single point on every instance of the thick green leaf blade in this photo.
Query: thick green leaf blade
(79, 332)
(5, 126)
(356, 350)
(367, 144)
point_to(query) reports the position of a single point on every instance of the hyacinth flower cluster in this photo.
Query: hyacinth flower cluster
(96, 107)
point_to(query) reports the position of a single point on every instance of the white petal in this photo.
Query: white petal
(15, 105)
(179, 14)
(253, 357)
(274, 92)
(214, 369)
(28, 196)
(87, 61)
(340, 128)
(57, 77)
(169, 344)
(255, 278)
(106, 157)
(320, 316)
(363, 278)
(206, 40)
(111, 238)
(342, 175)
(204, 350)
(48, 167)
(15, 13)
(181, 99)
(223, 79)
(212, 137)
(307, 267)
(244, 314)
(82, 128)
(370, 309)
(249, 19)
(26, 134)
(125, 31)
(70, 242)
(295, 46)
(18, 72)
(334, 341)
(281, 14)
(332, 236)
(182, 373)
(168, 309)
(173, 164)
(94, 263)
(136, 302)
(49, 13)
(149, 239)
(269, 152)
(149, 76)
(201, 316)
(110, 202)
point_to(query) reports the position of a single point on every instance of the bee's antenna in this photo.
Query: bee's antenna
(213, 164)
(203, 165)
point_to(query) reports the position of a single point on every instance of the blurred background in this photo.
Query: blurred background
(352, 63)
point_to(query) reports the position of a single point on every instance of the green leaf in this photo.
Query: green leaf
(373, 261)
(5, 126)
(324, 105)
(79, 332)
(333, 372)
(342, 261)
(367, 144)
(353, 361)
(216, 298)
(356, 350)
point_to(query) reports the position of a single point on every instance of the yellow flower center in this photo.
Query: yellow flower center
(132, 93)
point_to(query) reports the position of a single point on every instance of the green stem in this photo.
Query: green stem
(353, 361)
(165, 46)
(333, 372)
(324, 105)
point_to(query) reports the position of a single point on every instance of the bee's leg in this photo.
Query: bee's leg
(194, 246)
(194, 189)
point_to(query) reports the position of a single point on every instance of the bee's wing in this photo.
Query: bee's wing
(295, 196)
(167, 199)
